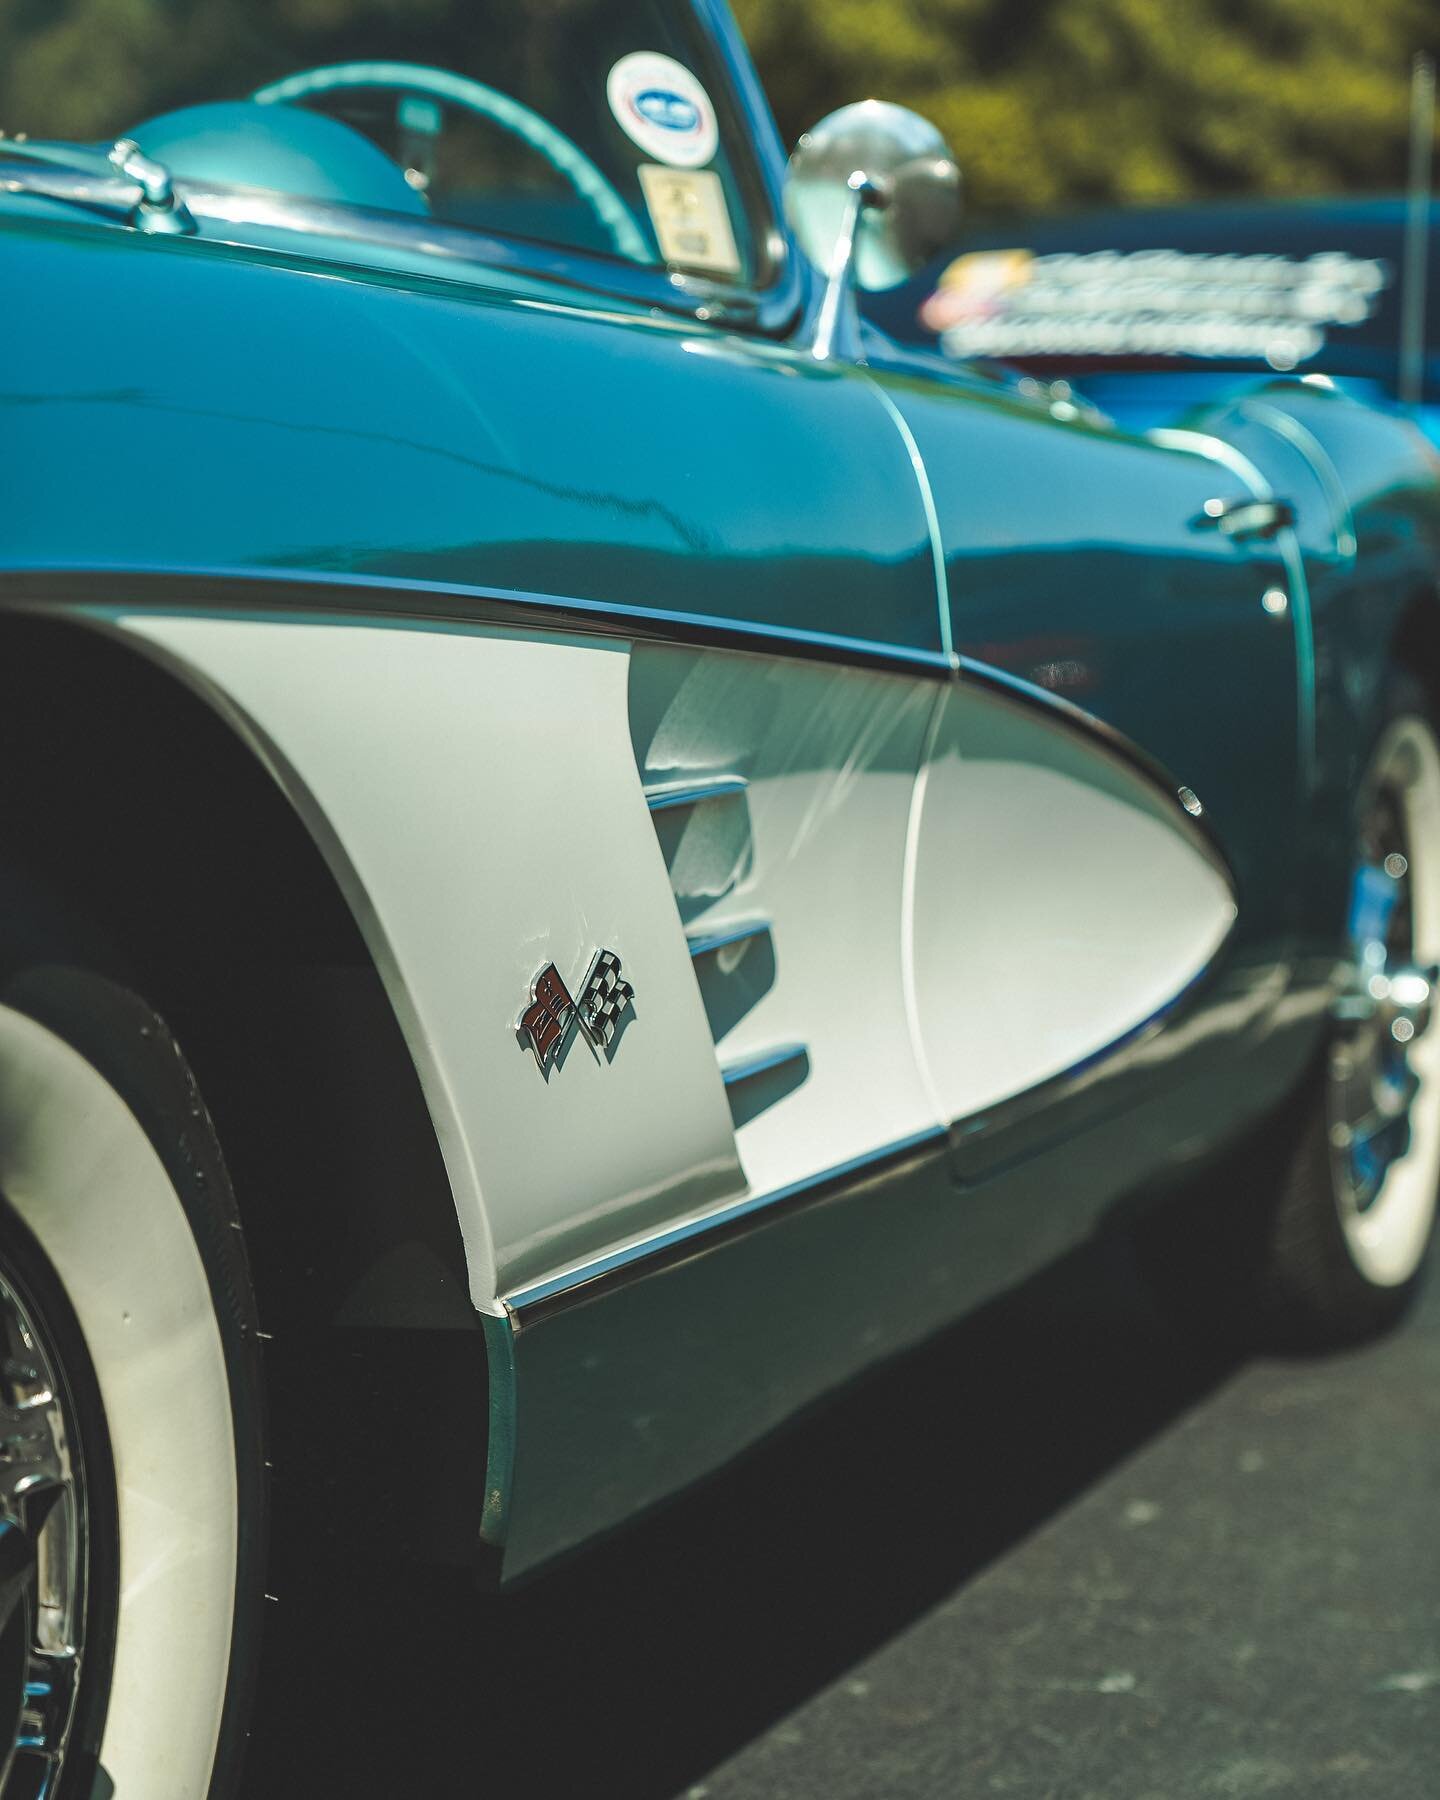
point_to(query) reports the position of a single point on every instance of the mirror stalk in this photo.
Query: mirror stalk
(837, 324)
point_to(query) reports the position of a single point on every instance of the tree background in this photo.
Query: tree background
(1045, 102)
(1049, 103)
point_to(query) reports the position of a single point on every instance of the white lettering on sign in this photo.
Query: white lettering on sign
(1275, 309)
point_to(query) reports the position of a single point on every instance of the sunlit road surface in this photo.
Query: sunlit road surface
(1246, 1604)
(1060, 1552)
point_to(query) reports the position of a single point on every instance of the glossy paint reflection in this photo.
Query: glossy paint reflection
(441, 434)
(1075, 562)
(1060, 900)
(809, 860)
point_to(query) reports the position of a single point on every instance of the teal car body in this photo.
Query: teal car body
(300, 425)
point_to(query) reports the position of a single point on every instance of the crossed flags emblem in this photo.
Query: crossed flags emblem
(604, 995)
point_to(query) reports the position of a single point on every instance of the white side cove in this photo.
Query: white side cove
(808, 1009)
(1061, 900)
(865, 906)
(77, 1167)
(476, 796)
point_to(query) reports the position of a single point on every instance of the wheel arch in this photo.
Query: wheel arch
(139, 830)
(1415, 643)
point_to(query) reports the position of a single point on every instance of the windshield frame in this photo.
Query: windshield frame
(271, 219)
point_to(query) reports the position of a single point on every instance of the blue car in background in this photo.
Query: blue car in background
(1152, 311)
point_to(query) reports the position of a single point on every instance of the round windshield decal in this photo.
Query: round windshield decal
(661, 107)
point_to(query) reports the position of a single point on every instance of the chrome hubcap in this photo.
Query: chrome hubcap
(42, 1557)
(1381, 1018)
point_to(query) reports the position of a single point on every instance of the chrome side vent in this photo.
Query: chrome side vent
(667, 796)
(734, 970)
(728, 937)
(751, 1068)
(703, 826)
(711, 730)
(757, 1081)
(783, 801)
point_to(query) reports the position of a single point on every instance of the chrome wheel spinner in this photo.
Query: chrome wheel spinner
(1381, 1018)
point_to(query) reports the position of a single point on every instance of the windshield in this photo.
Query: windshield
(605, 126)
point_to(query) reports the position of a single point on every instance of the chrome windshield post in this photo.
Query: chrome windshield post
(160, 208)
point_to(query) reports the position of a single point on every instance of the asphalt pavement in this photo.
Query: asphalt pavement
(1061, 1552)
(1245, 1600)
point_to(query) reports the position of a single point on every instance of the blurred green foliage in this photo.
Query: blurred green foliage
(1045, 102)
(88, 68)
(1052, 102)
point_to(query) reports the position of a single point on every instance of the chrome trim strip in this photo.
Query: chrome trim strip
(699, 1234)
(1213, 449)
(503, 1423)
(1287, 545)
(225, 589)
(1276, 419)
(732, 1074)
(692, 793)
(267, 220)
(113, 196)
(932, 515)
(705, 943)
(981, 1128)
(909, 975)
(1066, 712)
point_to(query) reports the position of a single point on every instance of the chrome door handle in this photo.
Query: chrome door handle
(1245, 520)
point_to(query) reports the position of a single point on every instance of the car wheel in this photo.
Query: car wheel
(1355, 1209)
(132, 1467)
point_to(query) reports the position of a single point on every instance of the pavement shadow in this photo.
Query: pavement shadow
(648, 1661)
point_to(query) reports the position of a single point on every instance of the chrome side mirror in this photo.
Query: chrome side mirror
(871, 194)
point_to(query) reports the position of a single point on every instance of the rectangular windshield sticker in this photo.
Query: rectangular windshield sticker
(692, 222)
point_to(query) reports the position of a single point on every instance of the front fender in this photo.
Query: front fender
(489, 803)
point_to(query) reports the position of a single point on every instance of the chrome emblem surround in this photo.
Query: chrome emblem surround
(546, 1021)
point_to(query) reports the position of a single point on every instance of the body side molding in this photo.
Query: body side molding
(227, 591)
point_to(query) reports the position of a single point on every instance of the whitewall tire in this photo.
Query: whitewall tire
(1351, 1225)
(114, 1202)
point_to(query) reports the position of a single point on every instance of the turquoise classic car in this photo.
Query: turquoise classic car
(590, 847)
